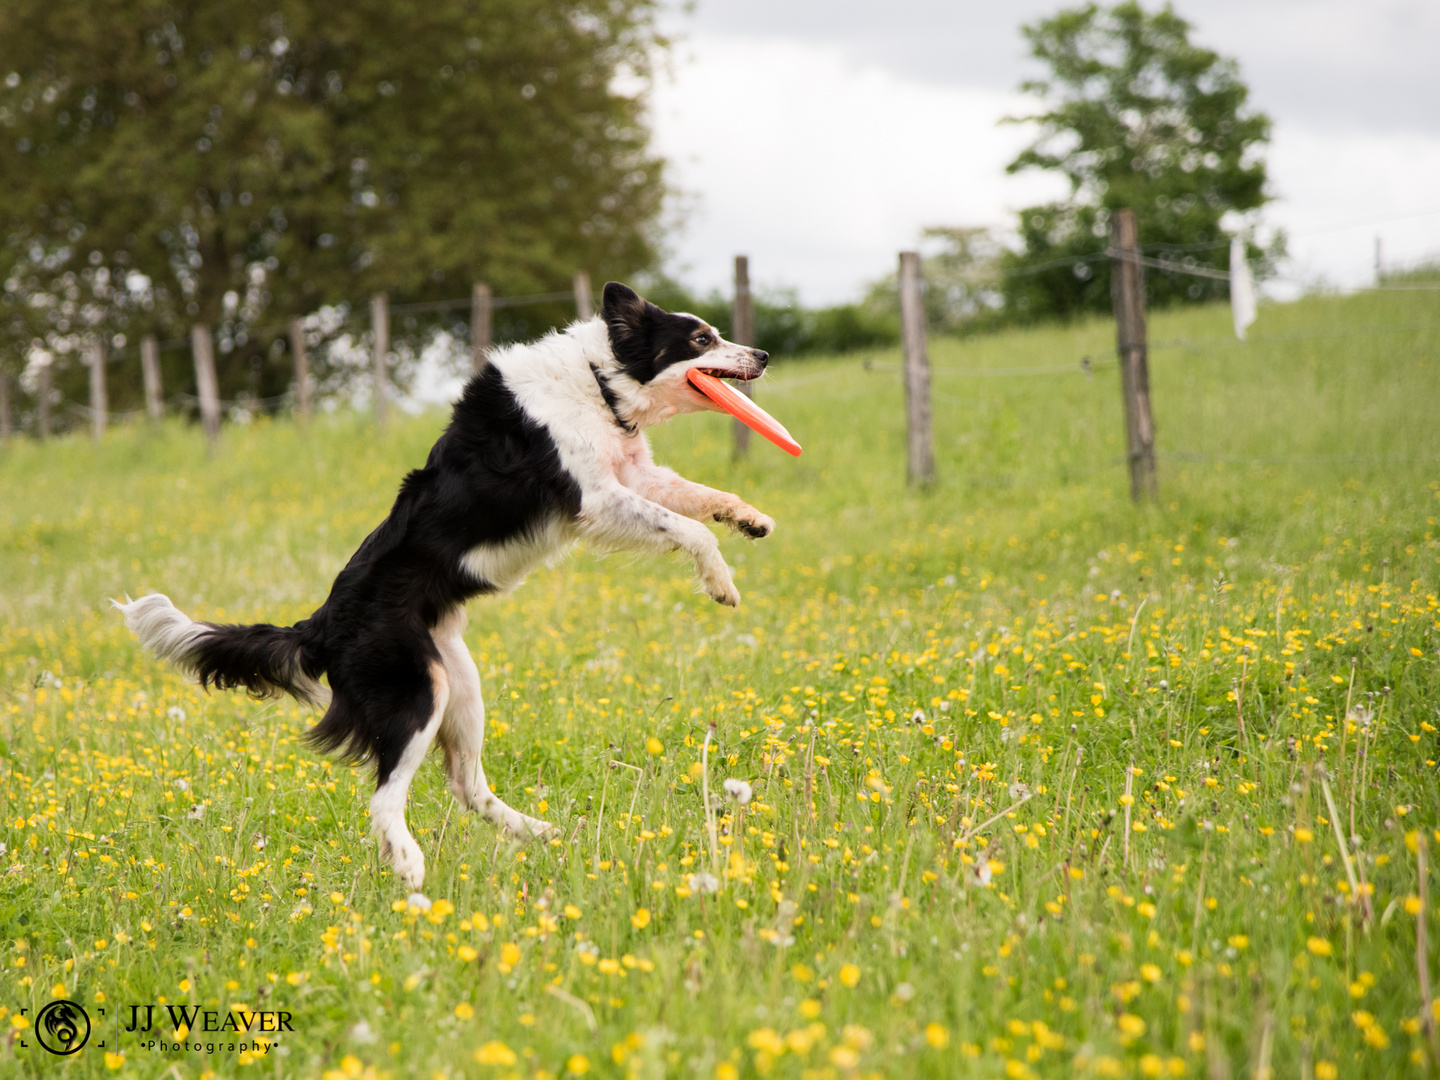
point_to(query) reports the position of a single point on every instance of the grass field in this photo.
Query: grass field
(1044, 784)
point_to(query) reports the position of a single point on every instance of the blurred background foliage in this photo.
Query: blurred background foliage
(1135, 116)
(241, 163)
(236, 163)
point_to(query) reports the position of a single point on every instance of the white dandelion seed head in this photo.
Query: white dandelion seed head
(418, 900)
(739, 790)
(704, 883)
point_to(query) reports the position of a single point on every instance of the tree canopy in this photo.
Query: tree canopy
(235, 162)
(1136, 116)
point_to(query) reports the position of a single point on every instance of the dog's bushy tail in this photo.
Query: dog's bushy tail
(266, 660)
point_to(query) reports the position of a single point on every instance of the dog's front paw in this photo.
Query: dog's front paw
(746, 519)
(715, 578)
(754, 524)
(722, 590)
(729, 596)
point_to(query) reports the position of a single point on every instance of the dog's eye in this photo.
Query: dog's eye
(702, 339)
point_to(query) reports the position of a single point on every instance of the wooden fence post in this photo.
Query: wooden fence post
(482, 326)
(920, 452)
(302, 369)
(380, 327)
(150, 371)
(99, 399)
(206, 385)
(584, 309)
(1127, 291)
(43, 389)
(6, 425)
(742, 332)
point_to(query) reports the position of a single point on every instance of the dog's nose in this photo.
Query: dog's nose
(761, 356)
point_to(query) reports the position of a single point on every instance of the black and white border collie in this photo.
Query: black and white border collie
(546, 447)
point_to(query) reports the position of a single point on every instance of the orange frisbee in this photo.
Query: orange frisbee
(744, 410)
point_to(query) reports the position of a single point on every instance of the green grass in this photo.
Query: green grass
(1039, 775)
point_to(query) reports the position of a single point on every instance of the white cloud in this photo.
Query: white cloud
(821, 168)
(1337, 193)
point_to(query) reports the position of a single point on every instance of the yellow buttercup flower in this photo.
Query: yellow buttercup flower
(495, 1053)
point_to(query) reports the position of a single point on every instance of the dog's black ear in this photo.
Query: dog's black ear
(628, 318)
(623, 309)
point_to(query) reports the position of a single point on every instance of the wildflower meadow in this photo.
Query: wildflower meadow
(1006, 777)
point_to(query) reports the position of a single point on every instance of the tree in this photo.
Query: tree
(1137, 116)
(236, 162)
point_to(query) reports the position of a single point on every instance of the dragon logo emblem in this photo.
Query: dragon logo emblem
(62, 1027)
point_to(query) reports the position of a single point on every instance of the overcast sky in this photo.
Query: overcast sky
(821, 136)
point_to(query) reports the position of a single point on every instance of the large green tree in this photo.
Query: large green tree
(234, 162)
(1137, 116)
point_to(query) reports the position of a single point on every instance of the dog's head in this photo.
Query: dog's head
(654, 349)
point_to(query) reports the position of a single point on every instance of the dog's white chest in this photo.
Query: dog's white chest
(504, 566)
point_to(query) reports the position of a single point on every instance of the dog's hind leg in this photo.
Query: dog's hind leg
(387, 805)
(462, 734)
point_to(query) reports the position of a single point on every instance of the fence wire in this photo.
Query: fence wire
(352, 320)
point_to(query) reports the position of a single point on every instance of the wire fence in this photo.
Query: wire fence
(779, 385)
(327, 330)
(347, 315)
(1258, 349)
(334, 335)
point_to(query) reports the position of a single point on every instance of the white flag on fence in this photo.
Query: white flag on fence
(1242, 288)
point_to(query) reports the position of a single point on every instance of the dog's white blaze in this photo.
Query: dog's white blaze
(505, 565)
(163, 628)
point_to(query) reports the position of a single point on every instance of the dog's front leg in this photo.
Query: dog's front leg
(674, 492)
(618, 517)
